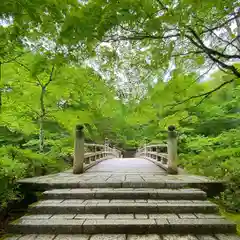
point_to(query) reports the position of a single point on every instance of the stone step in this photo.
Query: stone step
(115, 226)
(106, 206)
(122, 216)
(126, 193)
(42, 184)
(122, 237)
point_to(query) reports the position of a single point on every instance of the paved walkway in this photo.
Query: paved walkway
(127, 165)
(117, 172)
(124, 237)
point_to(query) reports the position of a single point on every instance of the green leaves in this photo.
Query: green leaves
(216, 157)
(200, 60)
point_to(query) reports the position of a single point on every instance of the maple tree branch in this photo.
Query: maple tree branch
(202, 94)
(50, 77)
(221, 39)
(209, 50)
(233, 69)
(231, 43)
(129, 30)
(162, 5)
(196, 80)
(225, 41)
(116, 38)
(14, 58)
(29, 70)
(221, 25)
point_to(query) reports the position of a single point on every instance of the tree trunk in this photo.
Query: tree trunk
(41, 135)
(0, 87)
(41, 119)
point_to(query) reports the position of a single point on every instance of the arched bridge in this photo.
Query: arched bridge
(106, 197)
(164, 156)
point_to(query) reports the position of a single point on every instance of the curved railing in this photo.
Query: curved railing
(88, 154)
(164, 155)
(156, 151)
(97, 151)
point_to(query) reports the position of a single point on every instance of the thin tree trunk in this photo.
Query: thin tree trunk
(41, 135)
(0, 87)
(43, 110)
(41, 120)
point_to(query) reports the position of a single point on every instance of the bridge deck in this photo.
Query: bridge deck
(122, 172)
(127, 165)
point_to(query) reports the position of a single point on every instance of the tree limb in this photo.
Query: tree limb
(29, 70)
(221, 25)
(116, 38)
(210, 54)
(162, 5)
(14, 58)
(224, 65)
(209, 50)
(225, 41)
(202, 94)
(50, 77)
(196, 80)
(129, 30)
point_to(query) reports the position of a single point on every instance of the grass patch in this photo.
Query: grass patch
(235, 217)
(232, 216)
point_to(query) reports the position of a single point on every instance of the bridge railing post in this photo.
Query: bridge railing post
(172, 150)
(106, 147)
(78, 150)
(145, 149)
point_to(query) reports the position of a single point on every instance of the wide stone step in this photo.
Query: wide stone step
(126, 193)
(122, 237)
(45, 184)
(134, 226)
(106, 206)
(122, 216)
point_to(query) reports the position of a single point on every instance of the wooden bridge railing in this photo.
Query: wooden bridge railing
(86, 154)
(164, 155)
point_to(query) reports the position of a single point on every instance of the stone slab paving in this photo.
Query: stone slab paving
(122, 206)
(118, 172)
(114, 226)
(123, 237)
(140, 194)
(127, 165)
(122, 216)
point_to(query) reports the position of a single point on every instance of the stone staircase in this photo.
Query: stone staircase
(160, 212)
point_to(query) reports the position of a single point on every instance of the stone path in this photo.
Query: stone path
(127, 165)
(122, 172)
(122, 199)
(125, 237)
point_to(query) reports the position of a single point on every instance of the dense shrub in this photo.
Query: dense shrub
(16, 163)
(219, 158)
